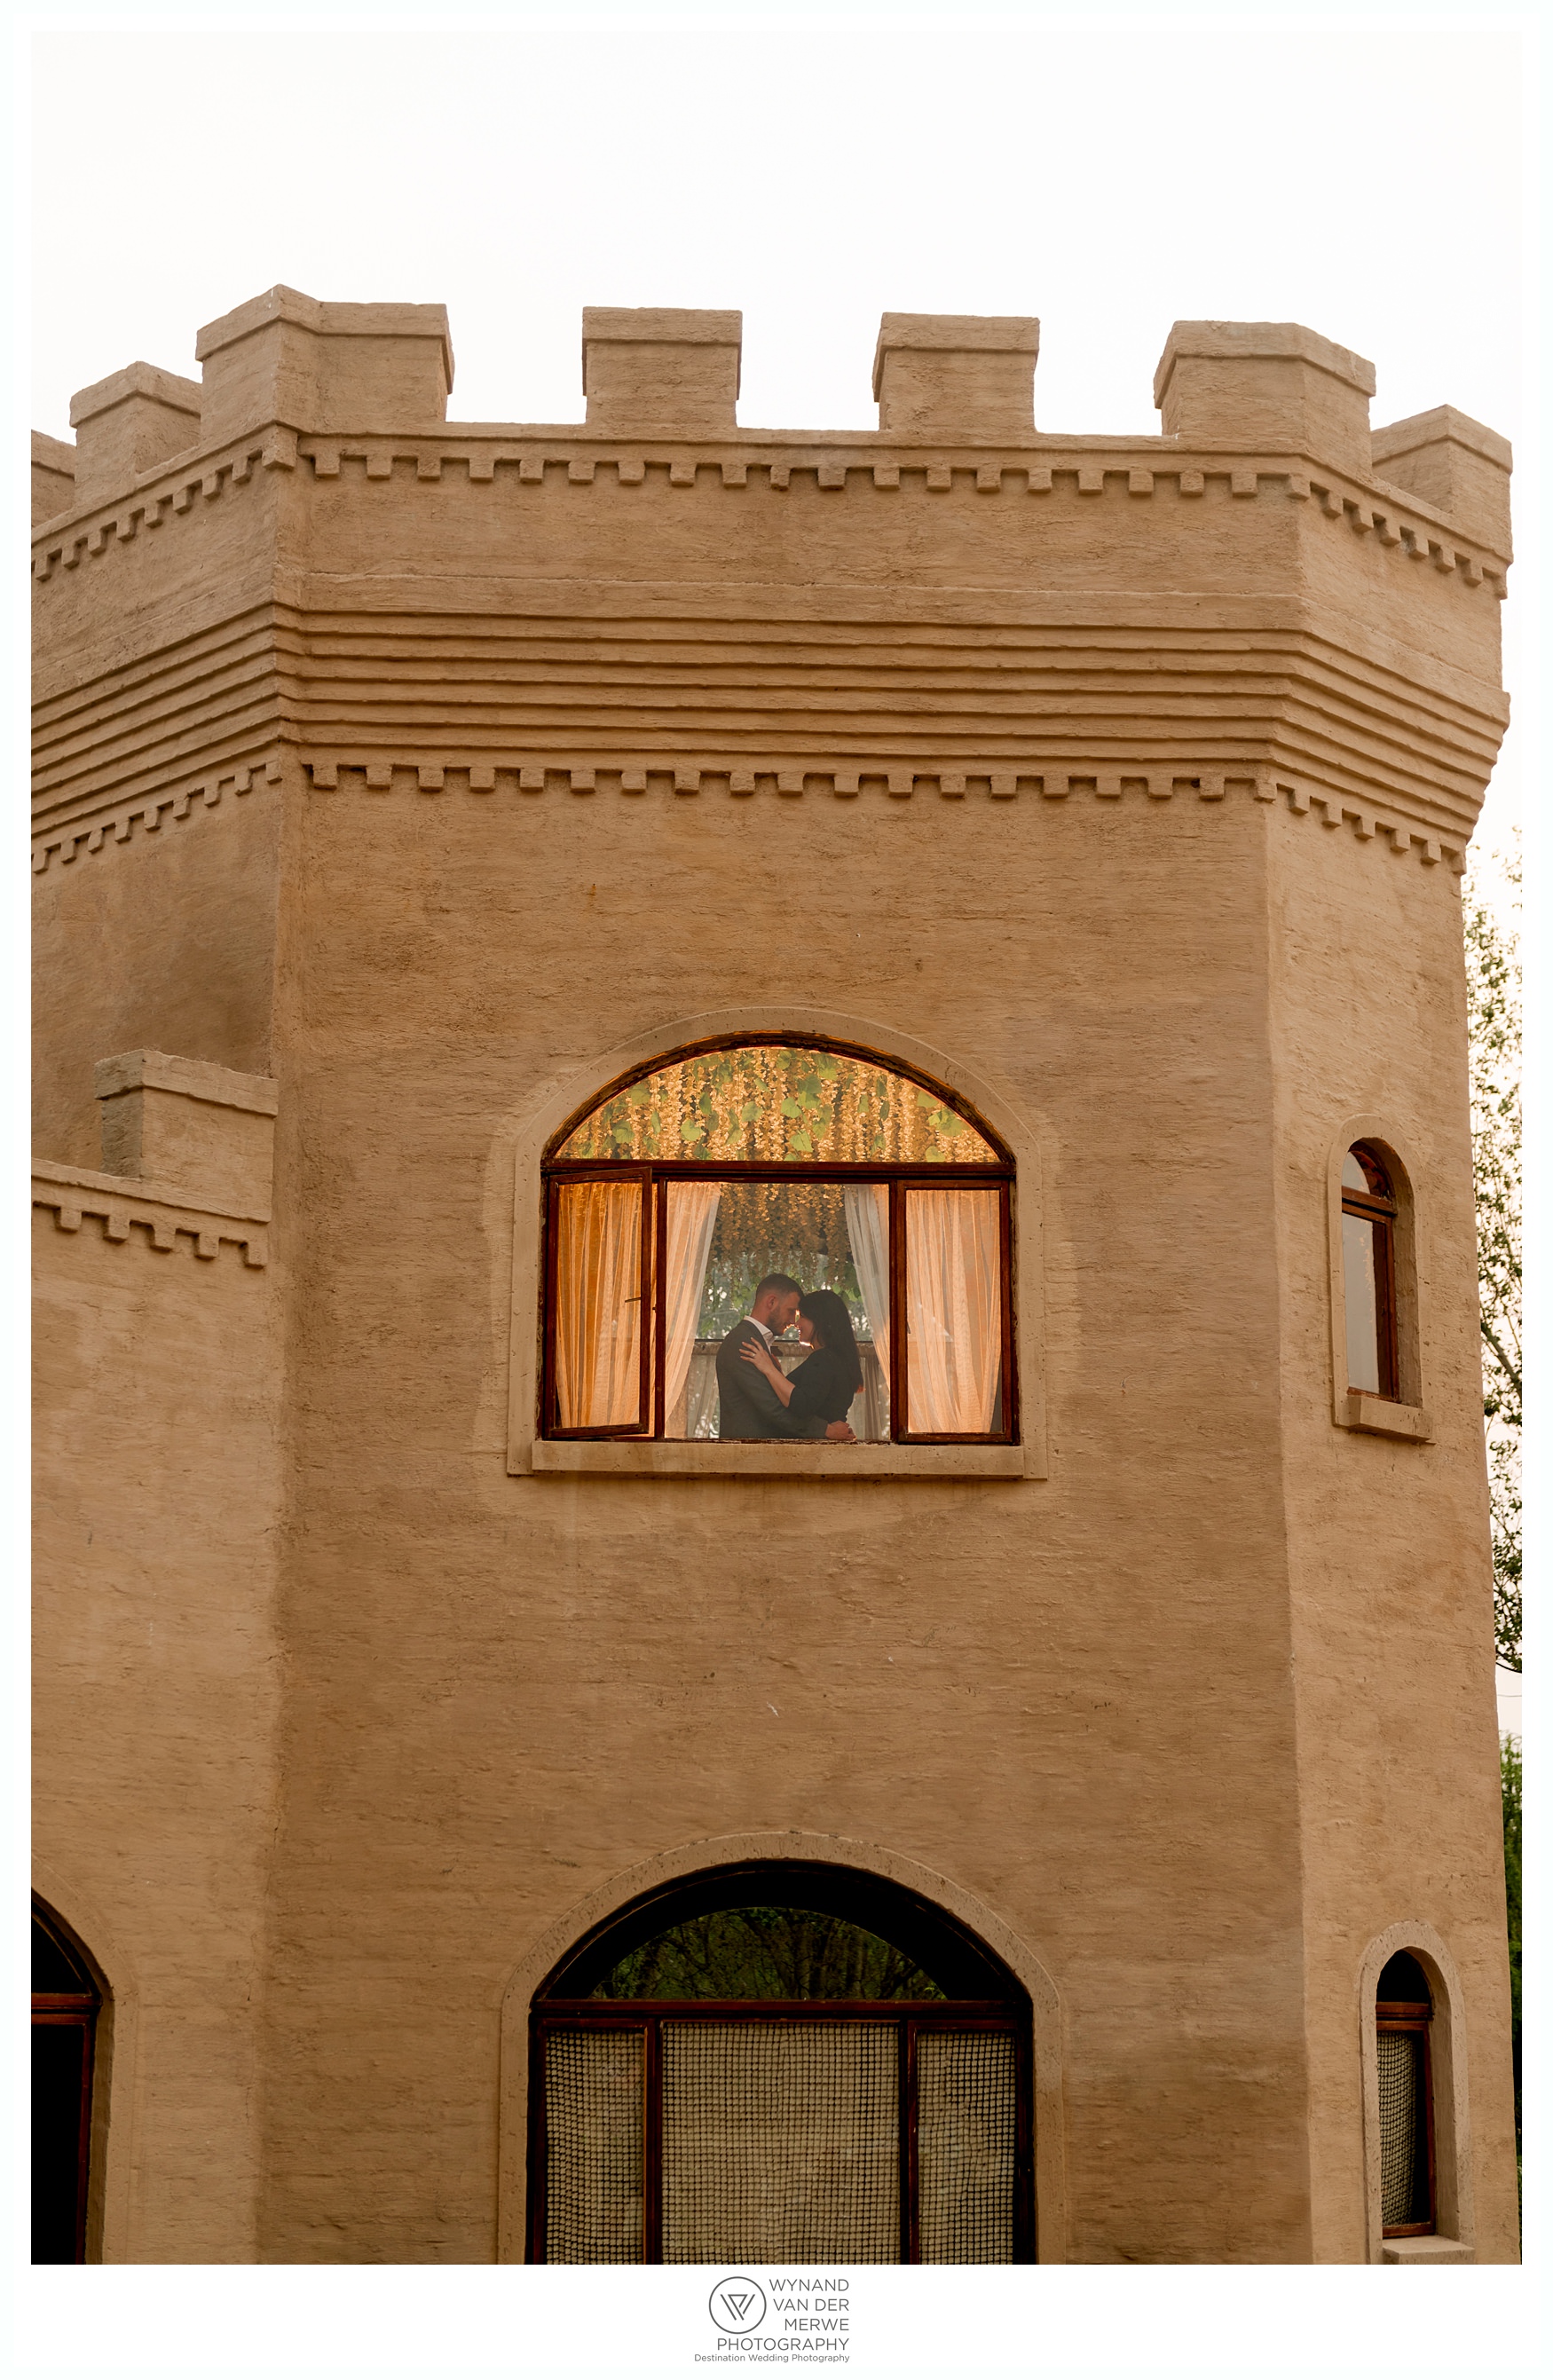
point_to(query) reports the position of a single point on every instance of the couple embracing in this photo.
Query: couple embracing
(756, 1398)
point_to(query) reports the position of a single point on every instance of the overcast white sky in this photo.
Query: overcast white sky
(1110, 175)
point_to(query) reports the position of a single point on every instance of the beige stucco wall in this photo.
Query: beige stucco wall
(558, 740)
(1392, 1597)
(155, 1700)
(568, 1676)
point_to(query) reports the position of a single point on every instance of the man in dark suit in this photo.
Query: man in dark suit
(747, 1405)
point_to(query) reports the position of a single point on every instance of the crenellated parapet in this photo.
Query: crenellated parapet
(308, 504)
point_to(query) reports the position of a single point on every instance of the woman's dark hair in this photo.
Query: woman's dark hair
(825, 1308)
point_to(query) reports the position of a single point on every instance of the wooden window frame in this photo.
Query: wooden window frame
(1414, 2017)
(1380, 1210)
(998, 1173)
(909, 2019)
(656, 1175)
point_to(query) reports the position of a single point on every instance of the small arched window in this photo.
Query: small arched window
(1369, 1223)
(675, 1203)
(1403, 2011)
(784, 2062)
(65, 2008)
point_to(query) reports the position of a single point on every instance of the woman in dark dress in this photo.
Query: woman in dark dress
(824, 1385)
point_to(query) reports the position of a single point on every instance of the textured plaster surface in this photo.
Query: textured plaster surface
(419, 767)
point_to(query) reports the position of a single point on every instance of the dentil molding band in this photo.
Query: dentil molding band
(1106, 782)
(1141, 782)
(121, 1203)
(150, 812)
(1411, 531)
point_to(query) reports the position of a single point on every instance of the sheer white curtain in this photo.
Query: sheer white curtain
(598, 1321)
(691, 1221)
(868, 1227)
(953, 1309)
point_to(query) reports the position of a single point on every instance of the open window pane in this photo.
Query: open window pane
(598, 1303)
(1361, 1301)
(953, 1312)
(781, 2143)
(721, 1240)
(594, 2093)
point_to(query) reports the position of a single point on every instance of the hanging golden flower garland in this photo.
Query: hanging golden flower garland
(768, 1102)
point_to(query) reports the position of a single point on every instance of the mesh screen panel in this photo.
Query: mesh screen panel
(781, 2143)
(964, 2148)
(593, 2157)
(1401, 2057)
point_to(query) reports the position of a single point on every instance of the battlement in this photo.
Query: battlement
(665, 374)
(303, 514)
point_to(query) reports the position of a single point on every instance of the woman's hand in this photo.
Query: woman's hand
(753, 1352)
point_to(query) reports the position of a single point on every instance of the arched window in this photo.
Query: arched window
(1369, 1221)
(65, 2007)
(781, 2062)
(683, 1200)
(1403, 2009)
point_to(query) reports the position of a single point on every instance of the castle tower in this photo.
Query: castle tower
(503, 891)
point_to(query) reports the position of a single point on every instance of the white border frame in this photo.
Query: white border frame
(728, 1850)
(528, 1452)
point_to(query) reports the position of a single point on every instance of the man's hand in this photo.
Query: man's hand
(843, 1432)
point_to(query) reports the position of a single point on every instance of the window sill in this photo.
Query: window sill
(1383, 1417)
(773, 1458)
(1429, 2249)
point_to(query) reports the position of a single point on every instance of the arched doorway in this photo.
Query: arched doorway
(780, 2061)
(66, 2003)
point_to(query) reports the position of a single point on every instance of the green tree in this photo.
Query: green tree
(1493, 953)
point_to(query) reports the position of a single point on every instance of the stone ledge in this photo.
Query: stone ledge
(195, 1077)
(769, 1459)
(1384, 1417)
(1433, 2250)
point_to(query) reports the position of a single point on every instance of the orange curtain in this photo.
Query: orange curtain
(599, 1309)
(953, 1310)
